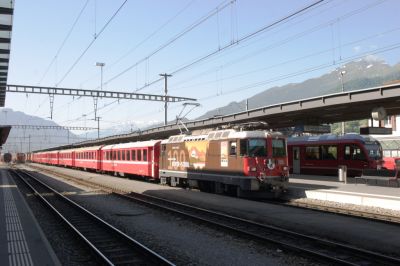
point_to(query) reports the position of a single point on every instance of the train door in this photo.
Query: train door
(355, 159)
(99, 159)
(163, 157)
(296, 160)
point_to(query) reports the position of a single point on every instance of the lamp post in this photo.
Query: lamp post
(95, 98)
(101, 65)
(341, 80)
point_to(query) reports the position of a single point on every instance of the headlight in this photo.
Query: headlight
(252, 169)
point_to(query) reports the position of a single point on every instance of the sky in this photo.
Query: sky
(217, 51)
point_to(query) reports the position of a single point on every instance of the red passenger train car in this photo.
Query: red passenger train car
(322, 155)
(67, 158)
(88, 158)
(136, 158)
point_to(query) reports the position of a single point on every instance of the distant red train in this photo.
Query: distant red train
(322, 155)
(391, 163)
(246, 163)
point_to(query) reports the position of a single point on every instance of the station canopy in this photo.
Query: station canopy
(4, 131)
(6, 18)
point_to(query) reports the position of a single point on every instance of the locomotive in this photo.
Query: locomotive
(242, 163)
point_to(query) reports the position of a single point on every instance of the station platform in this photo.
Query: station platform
(328, 188)
(22, 241)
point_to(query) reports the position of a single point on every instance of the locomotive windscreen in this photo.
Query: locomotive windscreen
(374, 151)
(278, 148)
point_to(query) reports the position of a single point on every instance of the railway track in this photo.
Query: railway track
(342, 211)
(324, 250)
(300, 243)
(108, 244)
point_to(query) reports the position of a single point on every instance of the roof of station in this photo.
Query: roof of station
(333, 108)
(4, 131)
(6, 18)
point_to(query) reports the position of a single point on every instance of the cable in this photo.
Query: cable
(246, 37)
(220, 7)
(64, 41)
(91, 43)
(308, 70)
(145, 39)
(291, 60)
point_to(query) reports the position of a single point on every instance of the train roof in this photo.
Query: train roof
(222, 134)
(333, 138)
(92, 148)
(138, 144)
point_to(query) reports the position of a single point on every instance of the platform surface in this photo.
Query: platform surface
(329, 188)
(22, 242)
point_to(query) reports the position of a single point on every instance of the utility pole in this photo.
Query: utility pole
(341, 79)
(29, 149)
(98, 127)
(165, 75)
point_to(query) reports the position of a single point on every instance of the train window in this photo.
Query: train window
(225, 134)
(278, 148)
(358, 153)
(119, 155)
(114, 155)
(145, 155)
(217, 135)
(123, 155)
(139, 155)
(163, 148)
(128, 155)
(133, 157)
(312, 153)
(347, 152)
(232, 149)
(329, 152)
(257, 147)
(243, 147)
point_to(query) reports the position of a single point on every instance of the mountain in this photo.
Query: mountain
(123, 128)
(365, 73)
(24, 139)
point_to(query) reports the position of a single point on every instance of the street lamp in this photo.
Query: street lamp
(341, 79)
(101, 65)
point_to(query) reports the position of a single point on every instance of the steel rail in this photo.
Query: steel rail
(182, 209)
(149, 256)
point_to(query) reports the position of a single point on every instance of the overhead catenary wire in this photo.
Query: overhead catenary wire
(309, 69)
(242, 39)
(64, 42)
(91, 43)
(148, 37)
(220, 7)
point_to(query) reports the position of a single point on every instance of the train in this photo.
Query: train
(6, 157)
(250, 163)
(20, 157)
(391, 163)
(323, 154)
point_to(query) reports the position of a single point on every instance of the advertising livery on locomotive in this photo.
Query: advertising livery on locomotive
(243, 163)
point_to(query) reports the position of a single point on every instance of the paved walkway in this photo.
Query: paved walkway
(21, 239)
